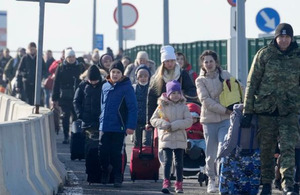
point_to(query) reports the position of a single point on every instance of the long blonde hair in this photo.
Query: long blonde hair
(157, 80)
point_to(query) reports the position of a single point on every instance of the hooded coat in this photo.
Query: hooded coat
(118, 106)
(178, 116)
(209, 88)
(87, 103)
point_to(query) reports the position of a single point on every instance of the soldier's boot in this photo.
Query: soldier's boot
(288, 191)
(267, 189)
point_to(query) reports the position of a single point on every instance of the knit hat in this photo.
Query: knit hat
(105, 57)
(69, 53)
(173, 86)
(93, 73)
(167, 53)
(142, 69)
(284, 29)
(117, 64)
(142, 54)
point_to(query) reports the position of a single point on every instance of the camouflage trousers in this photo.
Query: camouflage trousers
(285, 130)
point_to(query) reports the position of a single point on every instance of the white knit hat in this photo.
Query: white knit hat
(142, 54)
(167, 53)
(69, 52)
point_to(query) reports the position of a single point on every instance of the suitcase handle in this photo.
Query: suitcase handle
(146, 156)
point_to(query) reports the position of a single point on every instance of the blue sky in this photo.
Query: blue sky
(190, 20)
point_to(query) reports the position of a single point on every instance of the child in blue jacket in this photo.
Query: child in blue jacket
(118, 118)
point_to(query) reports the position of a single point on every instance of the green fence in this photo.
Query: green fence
(255, 44)
(194, 49)
(190, 50)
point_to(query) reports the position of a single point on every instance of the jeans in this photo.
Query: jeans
(147, 135)
(168, 156)
(47, 94)
(214, 134)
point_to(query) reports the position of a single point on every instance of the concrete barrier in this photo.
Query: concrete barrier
(56, 163)
(28, 158)
(33, 161)
(15, 160)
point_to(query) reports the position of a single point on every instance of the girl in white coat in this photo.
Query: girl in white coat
(171, 118)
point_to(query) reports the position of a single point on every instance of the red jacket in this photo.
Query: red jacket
(54, 66)
(196, 127)
(197, 131)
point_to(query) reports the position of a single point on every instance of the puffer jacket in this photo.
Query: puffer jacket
(178, 116)
(209, 87)
(66, 82)
(86, 103)
(273, 82)
(118, 106)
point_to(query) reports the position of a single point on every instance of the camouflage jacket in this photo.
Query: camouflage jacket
(273, 81)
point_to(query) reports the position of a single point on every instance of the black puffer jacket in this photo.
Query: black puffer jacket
(66, 82)
(87, 103)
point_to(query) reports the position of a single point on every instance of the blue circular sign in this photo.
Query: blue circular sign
(267, 19)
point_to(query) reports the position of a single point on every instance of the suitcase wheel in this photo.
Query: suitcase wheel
(133, 177)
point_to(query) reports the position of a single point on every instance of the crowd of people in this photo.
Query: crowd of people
(115, 96)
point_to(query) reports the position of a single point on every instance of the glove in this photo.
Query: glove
(246, 120)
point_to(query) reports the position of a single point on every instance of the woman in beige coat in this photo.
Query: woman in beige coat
(171, 118)
(214, 116)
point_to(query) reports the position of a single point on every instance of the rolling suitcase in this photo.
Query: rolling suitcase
(92, 162)
(93, 167)
(240, 157)
(144, 163)
(77, 141)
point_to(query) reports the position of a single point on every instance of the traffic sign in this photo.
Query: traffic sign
(99, 41)
(128, 34)
(130, 15)
(232, 2)
(267, 19)
(50, 1)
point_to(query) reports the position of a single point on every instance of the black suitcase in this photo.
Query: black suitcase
(92, 163)
(77, 141)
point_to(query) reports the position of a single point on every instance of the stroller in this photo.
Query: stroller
(194, 164)
(194, 157)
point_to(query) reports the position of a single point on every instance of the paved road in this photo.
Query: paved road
(77, 184)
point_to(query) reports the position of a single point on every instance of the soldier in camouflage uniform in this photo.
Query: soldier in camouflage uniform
(273, 93)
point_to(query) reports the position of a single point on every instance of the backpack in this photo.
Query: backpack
(231, 94)
(237, 138)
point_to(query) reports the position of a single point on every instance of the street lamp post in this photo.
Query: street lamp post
(166, 22)
(120, 23)
(94, 24)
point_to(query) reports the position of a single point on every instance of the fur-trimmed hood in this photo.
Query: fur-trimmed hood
(165, 101)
